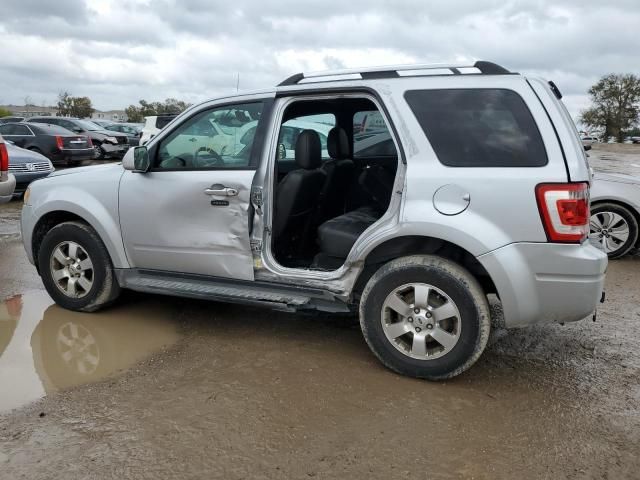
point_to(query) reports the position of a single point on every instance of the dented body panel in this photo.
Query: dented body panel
(162, 221)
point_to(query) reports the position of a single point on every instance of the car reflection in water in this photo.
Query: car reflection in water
(44, 348)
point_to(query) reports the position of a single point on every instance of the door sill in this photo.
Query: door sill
(276, 296)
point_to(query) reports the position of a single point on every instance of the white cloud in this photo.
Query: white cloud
(119, 51)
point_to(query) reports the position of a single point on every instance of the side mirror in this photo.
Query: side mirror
(587, 148)
(282, 151)
(137, 160)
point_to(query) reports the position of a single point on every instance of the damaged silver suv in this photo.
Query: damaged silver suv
(406, 194)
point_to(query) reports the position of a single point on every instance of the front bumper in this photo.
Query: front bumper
(7, 187)
(115, 150)
(546, 282)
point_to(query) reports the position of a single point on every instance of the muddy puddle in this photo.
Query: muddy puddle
(44, 348)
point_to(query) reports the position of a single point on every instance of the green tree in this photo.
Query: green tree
(615, 105)
(69, 106)
(81, 107)
(136, 113)
(64, 104)
(5, 113)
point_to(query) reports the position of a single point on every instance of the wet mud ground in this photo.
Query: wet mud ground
(159, 387)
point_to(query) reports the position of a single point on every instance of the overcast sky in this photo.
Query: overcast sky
(119, 51)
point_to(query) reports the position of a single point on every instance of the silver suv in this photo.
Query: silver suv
(406, 194)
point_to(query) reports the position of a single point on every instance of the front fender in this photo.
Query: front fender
(95, 204)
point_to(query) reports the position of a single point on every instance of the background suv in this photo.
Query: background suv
(430, 192)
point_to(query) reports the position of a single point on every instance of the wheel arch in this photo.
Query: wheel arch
(55, 217)
(408, 245)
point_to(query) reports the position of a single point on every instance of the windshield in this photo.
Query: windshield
(87, 125)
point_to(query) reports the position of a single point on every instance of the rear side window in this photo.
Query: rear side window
(478, 127)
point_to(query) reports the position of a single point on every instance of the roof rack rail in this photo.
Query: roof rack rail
(482, 67)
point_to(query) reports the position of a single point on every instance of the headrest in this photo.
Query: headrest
(338, 144)
(308, 153)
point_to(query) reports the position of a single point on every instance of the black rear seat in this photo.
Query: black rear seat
(337, 235)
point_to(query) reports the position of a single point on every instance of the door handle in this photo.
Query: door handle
(221, 190)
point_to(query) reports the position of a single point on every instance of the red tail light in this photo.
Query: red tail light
(59, 142)
(4, 158)
(564, 208)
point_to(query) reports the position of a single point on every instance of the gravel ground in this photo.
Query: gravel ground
(168, 388)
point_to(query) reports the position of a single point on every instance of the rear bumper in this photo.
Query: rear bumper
(7, 187)
(546, 282)
(73, 155)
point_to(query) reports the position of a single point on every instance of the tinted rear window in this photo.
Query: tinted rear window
(162, 122)
(478, 127)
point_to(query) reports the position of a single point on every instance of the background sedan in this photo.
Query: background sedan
(133, 131)
(27, 166)
(615, 213)
(58, 144)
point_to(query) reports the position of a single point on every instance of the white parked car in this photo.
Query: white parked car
(589, 140)
(152, 125)
(615, 213)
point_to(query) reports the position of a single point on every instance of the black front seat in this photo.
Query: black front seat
(340, 174)
(297, 197)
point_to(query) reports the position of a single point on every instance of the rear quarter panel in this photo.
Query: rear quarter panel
(503, 207)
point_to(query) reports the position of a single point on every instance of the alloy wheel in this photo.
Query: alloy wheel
(609, 231)
(71, 269)
(421, 321)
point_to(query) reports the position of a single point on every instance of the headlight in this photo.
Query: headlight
(27, 194)
(111, 139)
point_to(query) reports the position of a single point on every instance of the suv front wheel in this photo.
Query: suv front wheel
(76, 269)
(425, 316)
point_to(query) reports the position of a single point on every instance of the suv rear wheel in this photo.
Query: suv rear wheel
(76, 269)
(425, 317)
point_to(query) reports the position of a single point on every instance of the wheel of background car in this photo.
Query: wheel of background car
(76, 269)
(99, 152)
(214, 160)
(613, 228)
(425, 317)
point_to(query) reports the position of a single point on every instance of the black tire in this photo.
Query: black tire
(626, 214)
(462, 288)
(105, 288)
(100, 154)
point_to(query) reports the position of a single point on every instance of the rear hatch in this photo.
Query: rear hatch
(566, 132)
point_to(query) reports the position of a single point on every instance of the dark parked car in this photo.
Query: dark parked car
(105, 142)
(11, 120)
(102, 123)
(26, 166)
(133, 131)
(58, 144)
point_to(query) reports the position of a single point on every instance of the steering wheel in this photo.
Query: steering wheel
(213, 160)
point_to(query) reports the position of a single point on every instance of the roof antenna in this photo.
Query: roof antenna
(238, 82)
